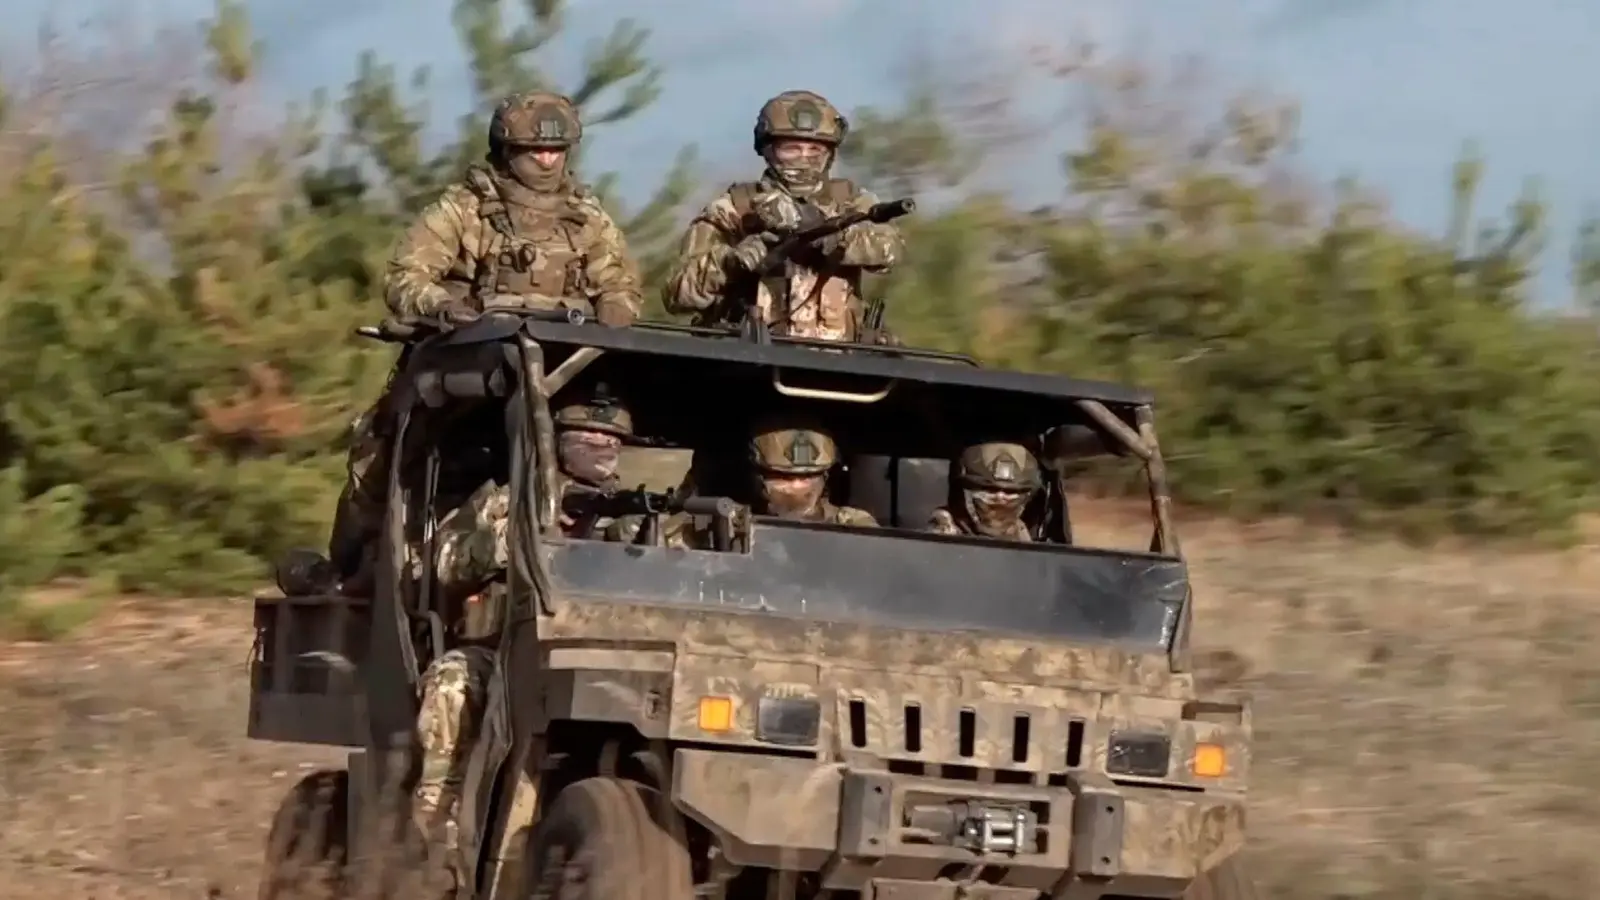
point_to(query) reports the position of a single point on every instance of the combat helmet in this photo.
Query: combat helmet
(803, 115)
(536, 120)
(788, 449)
(999, 466)
(597, 410)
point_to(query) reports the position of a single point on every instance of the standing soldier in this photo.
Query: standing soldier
(519, 232)
(818, 295)
(995, 481)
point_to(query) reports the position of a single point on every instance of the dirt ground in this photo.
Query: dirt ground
(1426, 727)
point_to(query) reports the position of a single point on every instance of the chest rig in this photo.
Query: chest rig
(540, 248)
(835, 195)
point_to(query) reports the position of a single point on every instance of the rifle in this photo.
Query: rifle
(772, 266)
(582, 501)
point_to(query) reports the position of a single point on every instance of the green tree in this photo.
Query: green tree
(617, 82)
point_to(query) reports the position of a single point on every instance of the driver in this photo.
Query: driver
(519, 231)
(797, 134)
(472, 551)
(590, 433)
(995, 482)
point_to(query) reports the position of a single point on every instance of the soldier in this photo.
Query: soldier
(521, 231)
(798, 133)
(590, 434)
(790, 461)
(472, 551)
(995, 482)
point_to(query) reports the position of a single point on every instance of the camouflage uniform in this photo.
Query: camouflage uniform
(453, 689)
(511, 234)
(472, 549)
(996, 481)
(729, 237)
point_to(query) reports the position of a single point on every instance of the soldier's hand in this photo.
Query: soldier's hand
(777, 211)
(749, 252)
(614, 314)
(508, 301)
(455, 312)
(832, 246)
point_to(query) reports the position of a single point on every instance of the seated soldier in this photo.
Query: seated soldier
(471, 553)
(471, 548)
(995, 482)
(790, 460)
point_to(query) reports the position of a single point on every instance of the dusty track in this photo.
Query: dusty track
(123, 772)
(1427, 728)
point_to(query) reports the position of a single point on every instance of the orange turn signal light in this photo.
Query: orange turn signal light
(716, 714)
(1210, 760)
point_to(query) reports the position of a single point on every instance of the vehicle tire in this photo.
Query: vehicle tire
(309, 840)
(608, 839)
(1228, 881)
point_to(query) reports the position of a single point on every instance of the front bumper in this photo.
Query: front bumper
(865, 827)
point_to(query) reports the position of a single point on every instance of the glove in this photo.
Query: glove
(832, 246)
(614, 314)
(777, 211)
(455, 312)
(749, 252)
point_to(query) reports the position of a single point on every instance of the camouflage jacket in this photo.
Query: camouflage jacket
(943, 521)
(824, 302)
(487, 235)
(681, 531)
(472, 544)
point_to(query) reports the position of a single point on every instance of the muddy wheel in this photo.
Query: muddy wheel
(608, 839)
(309, 839)
(1228, 881)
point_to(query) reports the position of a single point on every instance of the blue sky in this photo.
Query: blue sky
(1391, 89)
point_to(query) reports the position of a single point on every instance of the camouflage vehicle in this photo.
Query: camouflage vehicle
(804, 708)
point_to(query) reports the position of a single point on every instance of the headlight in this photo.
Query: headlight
(1145, 755)
(791, 721)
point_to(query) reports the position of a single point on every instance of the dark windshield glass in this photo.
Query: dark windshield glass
(900, 580)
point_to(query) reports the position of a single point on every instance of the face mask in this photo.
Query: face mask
(996, 513)
(801, 174)
(590, 456)
(791, 496)
(526, 169)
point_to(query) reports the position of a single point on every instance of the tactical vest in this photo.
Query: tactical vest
(836, 195)
(541, 250)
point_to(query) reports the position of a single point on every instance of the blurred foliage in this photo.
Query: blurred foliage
(177, 375)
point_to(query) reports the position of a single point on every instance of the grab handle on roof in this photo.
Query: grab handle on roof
(808, 393)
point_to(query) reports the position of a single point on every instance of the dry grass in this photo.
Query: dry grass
(1425, 719)
(1425, 724)
(123, 770)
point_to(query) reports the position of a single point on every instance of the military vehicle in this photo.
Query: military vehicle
(803, 709)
